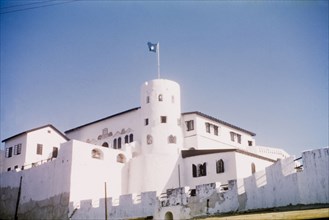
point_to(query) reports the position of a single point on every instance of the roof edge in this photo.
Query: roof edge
(37, 128)
(220, 121)
(102, 119)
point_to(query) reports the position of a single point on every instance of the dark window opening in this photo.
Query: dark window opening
(9, 152)
(115, 143)
(131, 138)
(105, 144)
(39, 149)
(220, 166)
(190, 125)
(119, 143)
(163, 119)
(55, 152)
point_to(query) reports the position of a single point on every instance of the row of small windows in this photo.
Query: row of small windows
(98, 154)
(211, 127)
(18, 150)
(117, 142)
(160, 98)
(201, 169)
(171, 139)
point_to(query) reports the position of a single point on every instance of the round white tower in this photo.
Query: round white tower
(161, 117)
(155, 168)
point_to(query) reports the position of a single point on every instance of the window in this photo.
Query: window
(160, 98)
(115, 143)
(146, 121)
(16, 167)
(147, 99)
(18, 149)
(172, 139)
(199, 170)
(163, 119)
(121, 158)
(9, 152)
(235, 137)
(207, 127)
(249, 143)
(9, 169)
(97, 154)
(55, 152)
(105, 144)
(190, 125)
(220, 166)
(149, 139)
(39, 149)
(105, 131)
(126, 139)
(131, 138)
(253, 168)
(119, 143)
(215, 130)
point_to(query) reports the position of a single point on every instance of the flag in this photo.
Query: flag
(152, 47)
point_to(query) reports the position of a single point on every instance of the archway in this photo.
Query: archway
(169, 216)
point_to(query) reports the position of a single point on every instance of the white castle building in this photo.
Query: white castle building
(152, 148)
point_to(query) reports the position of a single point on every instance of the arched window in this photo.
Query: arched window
(115, 143)
(119, 143)
(105, 144)
(121, 158)
(253, 168)
(97, 154)
(199, 170)
(131, 138)
(172, 139)
(149, 139)
(168, 216)
(194, 172)
(202, 169)
(126, 139)
(160, 98)
(220, 166)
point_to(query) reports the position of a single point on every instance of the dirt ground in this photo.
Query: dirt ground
(322, 213)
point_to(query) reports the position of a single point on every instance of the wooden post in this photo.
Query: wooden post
(18, 198)
(105, 201)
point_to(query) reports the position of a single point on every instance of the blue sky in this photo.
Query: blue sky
(260, 65)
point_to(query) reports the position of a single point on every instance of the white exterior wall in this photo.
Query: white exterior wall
(89, 174)
(230, 171)
(199, 138)
(48, 141)
(120, 125)
(46, 136)
(15, 160)
(153, 109)
(243, 163)
(153, 173)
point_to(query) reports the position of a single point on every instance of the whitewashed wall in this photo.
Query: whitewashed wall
(119, 126)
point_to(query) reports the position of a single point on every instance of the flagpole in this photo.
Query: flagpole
(158, 52)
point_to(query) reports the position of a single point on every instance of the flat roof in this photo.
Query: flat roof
(220, 121)
(34, 129)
